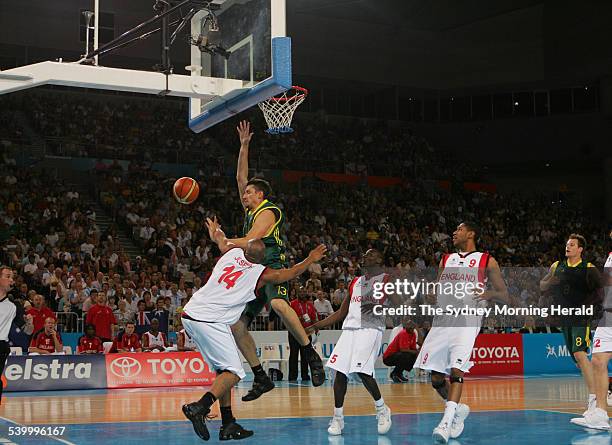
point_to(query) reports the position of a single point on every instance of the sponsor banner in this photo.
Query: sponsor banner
(164, 369)
(54, 372)
(547, 354)
(498, 354)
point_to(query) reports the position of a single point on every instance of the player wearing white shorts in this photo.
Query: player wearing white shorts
(359, 344)
(597, 418)
(448, 346)
(212, 310)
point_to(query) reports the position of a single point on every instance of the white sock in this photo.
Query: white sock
(592, 397)
(449, 412)
(379, 403)
(339, 412)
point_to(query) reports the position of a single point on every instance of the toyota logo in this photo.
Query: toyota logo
(125, 367)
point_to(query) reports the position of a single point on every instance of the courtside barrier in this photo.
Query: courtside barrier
(144, 369)
(54, 372)
(493, 354)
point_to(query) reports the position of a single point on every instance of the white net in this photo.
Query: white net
(278, 111)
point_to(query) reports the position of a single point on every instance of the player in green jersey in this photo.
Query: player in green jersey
(264, 220)
(573, 282)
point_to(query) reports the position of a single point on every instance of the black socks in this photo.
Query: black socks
(208, 399)
(258, 371)
(226, 415)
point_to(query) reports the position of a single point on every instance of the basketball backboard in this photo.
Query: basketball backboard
(240, 56)
(247, 51)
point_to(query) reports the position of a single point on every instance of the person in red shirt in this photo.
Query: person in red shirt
(307, 314)
(127, 341)
(102, 317)
(90, 343)
(402, 352)
(39, 312)
(48, 340)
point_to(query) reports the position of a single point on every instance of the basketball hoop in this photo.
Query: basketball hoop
(278, 111)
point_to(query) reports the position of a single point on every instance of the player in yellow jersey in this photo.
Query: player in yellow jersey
(264, 220)
(573, 282)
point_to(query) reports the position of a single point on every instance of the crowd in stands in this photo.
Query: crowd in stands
(154, 130)
(72, 273)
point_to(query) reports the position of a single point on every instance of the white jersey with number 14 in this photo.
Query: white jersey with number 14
(231, 286)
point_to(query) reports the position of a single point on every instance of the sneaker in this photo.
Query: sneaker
(457, 424)
(383, 417)
(317, 373)
(591, 405)
(234, 431)
(397, 377)
(596, 419)
(261, 385)
(441, 433)
(609, 398)
(197, 413)
(336, 425)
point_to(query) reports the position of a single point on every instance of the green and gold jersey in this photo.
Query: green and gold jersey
(573, 289)
(275, 248)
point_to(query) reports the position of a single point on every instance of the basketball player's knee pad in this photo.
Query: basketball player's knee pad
(454, 379)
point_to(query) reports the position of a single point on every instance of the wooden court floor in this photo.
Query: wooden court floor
(564, 395)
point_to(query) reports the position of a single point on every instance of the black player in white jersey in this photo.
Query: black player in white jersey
(448, 346)
(212, 311)
(360, 342)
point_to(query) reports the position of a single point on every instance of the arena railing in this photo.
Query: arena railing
(69, 321)
(262, 323)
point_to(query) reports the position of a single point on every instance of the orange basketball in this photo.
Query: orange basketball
(186, 190)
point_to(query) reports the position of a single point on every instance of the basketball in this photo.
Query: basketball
(186, 190)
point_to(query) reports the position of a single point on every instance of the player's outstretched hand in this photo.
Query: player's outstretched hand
(317, 253)
(310, 330)
(244, 133)
(212, 225)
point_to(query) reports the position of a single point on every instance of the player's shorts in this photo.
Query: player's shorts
(448, 347)
(356, 351)
(602, 342)
(216, 344)
(266, 294)
(577, 339)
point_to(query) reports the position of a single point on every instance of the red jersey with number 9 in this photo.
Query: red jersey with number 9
(231, 286)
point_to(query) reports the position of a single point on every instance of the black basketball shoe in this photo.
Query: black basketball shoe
(317, 373)
(197, 413)
(261, 385)
(233, 431)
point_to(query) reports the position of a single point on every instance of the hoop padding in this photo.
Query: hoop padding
(278, 111)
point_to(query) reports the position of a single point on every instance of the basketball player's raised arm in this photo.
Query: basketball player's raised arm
(242, 172)
(277, 276)
(217, 235)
